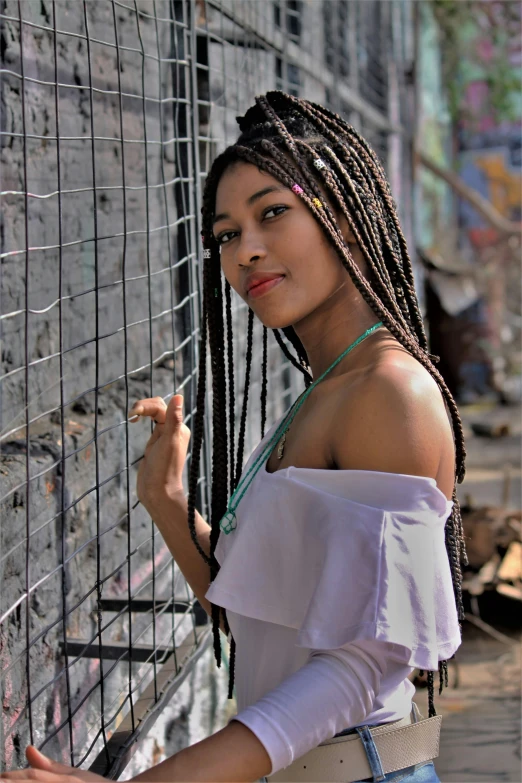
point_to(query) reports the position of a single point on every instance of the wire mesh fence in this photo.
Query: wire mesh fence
(111, 113)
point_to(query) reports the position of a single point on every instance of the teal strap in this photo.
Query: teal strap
(228, 523)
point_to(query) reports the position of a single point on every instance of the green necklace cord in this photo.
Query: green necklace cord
(229, 522)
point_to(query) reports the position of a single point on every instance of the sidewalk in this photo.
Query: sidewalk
(480, 741)
(480, 738)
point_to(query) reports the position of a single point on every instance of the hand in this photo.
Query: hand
(161, 470)
(45, 770)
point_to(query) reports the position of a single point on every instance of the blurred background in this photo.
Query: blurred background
(111, 112)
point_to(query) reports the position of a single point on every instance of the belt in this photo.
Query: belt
(400, 744)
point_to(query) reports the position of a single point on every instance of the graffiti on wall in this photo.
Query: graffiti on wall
(492, 167)
(490, 150)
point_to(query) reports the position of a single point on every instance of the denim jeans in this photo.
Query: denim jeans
(419, 773)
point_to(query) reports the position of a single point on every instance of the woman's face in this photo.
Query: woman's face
(266, 231)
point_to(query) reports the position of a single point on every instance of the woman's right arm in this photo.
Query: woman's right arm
(160, 490)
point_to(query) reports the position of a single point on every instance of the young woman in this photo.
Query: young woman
(333, 556)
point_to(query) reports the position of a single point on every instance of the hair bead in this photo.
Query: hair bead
(297, 189)
(317, 203)
(319, 163)
(207, 253)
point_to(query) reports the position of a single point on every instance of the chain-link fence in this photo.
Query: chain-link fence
(111, 113)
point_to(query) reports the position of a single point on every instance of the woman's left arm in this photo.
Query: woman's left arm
(333, 690)
(231, 755)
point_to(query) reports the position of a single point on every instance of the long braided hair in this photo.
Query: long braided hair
(284, 136)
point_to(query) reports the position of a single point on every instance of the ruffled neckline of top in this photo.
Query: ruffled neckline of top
(341, 555)
(391, 491)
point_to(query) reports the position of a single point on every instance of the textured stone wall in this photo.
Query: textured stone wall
(77, 325)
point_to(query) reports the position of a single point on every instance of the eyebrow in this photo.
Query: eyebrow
(251, 200)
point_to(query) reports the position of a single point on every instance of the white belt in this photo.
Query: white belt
(400, 744)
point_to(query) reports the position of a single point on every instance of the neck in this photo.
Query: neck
(331, 328)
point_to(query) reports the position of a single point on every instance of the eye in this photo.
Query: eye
(220, 239)
(275, 209)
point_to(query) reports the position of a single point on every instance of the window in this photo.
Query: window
(292, 10)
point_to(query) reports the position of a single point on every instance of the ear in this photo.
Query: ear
(346, 231)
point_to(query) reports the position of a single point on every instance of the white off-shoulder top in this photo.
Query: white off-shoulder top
(337, 585)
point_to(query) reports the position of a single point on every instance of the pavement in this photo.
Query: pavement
(481, 726)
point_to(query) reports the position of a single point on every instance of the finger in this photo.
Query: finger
(174, 414)
(42, 775)
(37, 759)
(155, 407)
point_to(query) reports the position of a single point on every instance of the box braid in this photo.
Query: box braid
(370, 245)
(242, 425)
(373, 164)
(230, 366)
(284, 136)
(383, 189)
(298, 364)
(264, 381)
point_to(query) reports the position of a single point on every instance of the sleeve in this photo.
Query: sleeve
(334, 690)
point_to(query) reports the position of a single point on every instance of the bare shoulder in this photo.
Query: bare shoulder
(393, 419)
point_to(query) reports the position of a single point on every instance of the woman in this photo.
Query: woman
(331, 571)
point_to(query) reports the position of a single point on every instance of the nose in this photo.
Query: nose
(250, 249)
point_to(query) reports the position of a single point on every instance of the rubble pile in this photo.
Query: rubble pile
(494, 546)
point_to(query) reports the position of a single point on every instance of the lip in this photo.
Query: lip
(263, 286)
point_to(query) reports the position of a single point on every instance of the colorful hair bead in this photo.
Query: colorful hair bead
(207, 254)
(319, 163)
(317, 203)
(297, 189)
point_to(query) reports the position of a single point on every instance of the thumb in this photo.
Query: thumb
(38, 760)
(174, 413)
